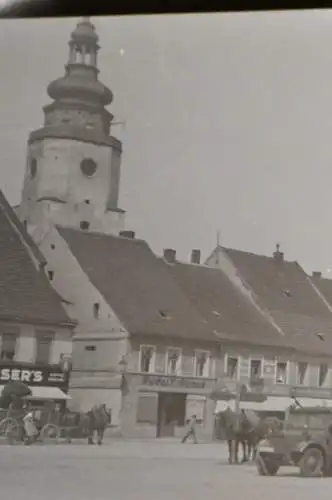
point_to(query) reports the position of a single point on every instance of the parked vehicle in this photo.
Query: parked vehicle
(305, 441)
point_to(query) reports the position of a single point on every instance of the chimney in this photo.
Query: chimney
(195, 256)
(170, 255)
(316, 274)
(277, 255)
(127, 234)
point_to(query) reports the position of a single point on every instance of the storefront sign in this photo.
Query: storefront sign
(33, 375)
(173, 382)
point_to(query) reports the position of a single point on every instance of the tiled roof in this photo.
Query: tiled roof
(25, 292)
(287, 292)
(197, 302)
(324, 285)
(222, 305)
(283, 285)
(137, 285)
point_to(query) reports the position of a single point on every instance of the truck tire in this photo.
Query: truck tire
(266, 466)
(312, 463)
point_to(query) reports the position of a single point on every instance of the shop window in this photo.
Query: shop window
(8, 346)
(232, 365)
(281, 372)
(301, 370)
(147, 359)
(173, 361)
(322, 374)
(44, 344)
(202, 359)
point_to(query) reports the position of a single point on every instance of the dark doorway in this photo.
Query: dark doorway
(171, 413)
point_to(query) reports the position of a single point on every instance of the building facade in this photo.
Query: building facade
(35, 331)
(153, 336)
(301, 311)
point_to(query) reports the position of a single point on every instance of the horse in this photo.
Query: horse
(233, 426)
(260, 430)
(99, 419)
(75, 424)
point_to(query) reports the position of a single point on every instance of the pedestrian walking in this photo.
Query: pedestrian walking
(191, 430)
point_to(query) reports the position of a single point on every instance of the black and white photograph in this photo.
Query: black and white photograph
(166, 256)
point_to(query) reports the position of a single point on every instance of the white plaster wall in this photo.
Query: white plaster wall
(26, 344)
(108, 352)
(73, 285)
(59, 175)
(84, 399)
(62, 344)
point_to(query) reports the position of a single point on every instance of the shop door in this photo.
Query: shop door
(171, 413)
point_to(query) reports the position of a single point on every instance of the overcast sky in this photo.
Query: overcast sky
(228, 124)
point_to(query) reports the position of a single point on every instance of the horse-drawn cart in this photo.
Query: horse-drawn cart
(13, 430)
(19, 408)
(23, 420)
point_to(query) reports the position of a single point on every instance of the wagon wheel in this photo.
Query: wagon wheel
(50, 433)
(10, 429)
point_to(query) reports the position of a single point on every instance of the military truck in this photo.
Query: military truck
(304, 441)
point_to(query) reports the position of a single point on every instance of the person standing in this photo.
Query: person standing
(191, 430)
(29, 427)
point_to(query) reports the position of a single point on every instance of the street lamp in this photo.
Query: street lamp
(123, 365)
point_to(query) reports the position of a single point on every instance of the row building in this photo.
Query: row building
(35, 330)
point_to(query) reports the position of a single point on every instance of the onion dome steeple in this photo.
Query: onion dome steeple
(80, 87)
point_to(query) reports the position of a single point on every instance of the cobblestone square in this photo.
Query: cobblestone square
(142, 471)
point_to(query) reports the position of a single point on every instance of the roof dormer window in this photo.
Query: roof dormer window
(164, 314)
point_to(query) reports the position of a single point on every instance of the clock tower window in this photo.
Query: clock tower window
(88, 167)
(33, 168)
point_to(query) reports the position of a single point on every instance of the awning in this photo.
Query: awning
(50, 393)
(274, 403)
(315, 402)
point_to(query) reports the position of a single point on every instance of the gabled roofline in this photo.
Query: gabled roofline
(35, 255)
(22, 231)
(214, 251)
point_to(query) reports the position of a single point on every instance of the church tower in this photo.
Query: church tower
(73, 162)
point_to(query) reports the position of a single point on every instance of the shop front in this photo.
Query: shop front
(46, 382)
(159, 405)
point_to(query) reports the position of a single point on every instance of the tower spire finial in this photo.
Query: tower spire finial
(218, 238)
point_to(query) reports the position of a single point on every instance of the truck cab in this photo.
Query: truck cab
(304, 441)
